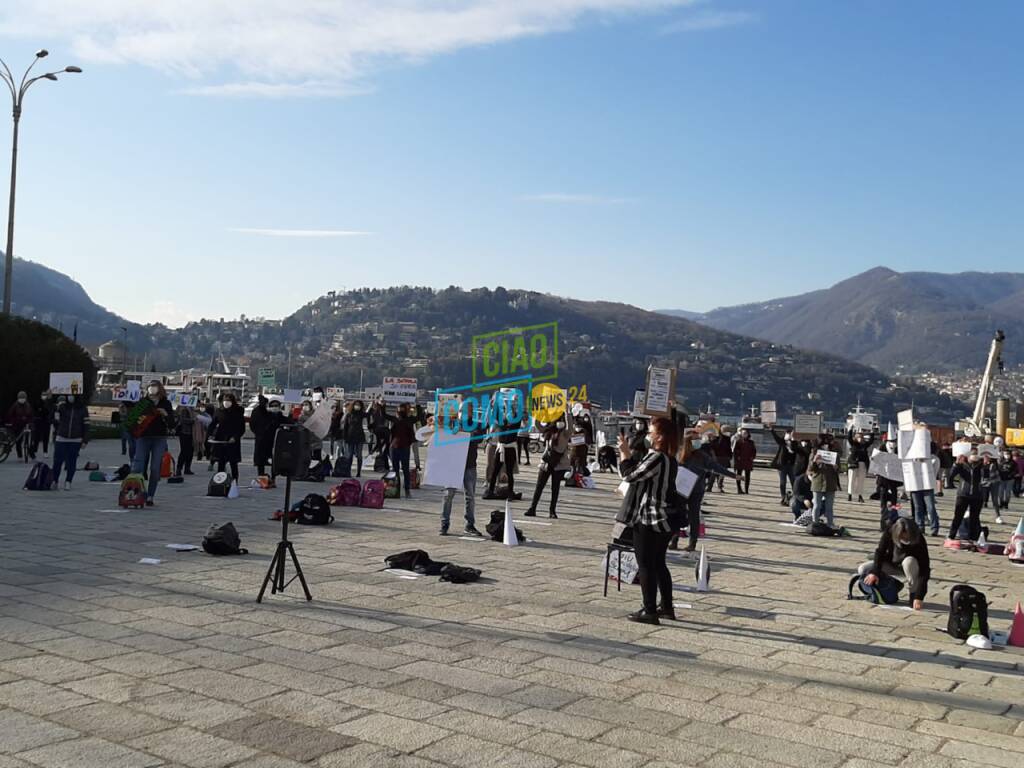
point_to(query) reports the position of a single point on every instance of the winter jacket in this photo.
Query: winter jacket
(161, 426)
(186, 421)
(1007, 469)
(974, 479)
(945, 458)
(743, 455)
(352, 427)
(892, 552)
(403, 431)
(20, 415)
(785, 456)
(824, 477)
(802, 454)
(228, 423)
(72, 423)
(860, 453)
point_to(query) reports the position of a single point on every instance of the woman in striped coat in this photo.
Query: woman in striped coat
(651, 490)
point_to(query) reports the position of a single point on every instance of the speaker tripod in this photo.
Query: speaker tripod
(275, 573)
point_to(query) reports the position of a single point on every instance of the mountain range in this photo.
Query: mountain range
(897, 322)
(359, 336)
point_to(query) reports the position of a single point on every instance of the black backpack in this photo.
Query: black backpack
(414, 560)
(223, 540)
(968, 612)
(122, 472)
(459, 574)
(314, 510)
(496, 528)
(819, 528)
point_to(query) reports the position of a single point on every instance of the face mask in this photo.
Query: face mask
(274, 409)
(560, 425)
(804, 443)
(226, 404)
(697, 443)
(153, 390)
(307, 409)
(638, 425)
(358, 408)
(974, 459)
(22, 400)
(890, 447)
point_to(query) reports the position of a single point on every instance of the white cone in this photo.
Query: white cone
(982, 542)
(233, 491)
(510, 539)
(703, 572)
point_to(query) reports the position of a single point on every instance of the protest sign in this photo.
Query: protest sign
(806, 425)
(578, 440)
(397, 389)
(335, 393)
(319, 422)
(828, 457)
(887, 465)
(914, 444)
(961, 448)
(188, 401)
(267, 377)
(660, 390)
(685, 482)
(639, 398)
(919, 475)
(768, 412)
(446, 460)
(292, 396)
(131, 393)
(67, 383)
(987, 449)
(905, 419)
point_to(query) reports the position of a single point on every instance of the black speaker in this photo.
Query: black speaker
(291, 451)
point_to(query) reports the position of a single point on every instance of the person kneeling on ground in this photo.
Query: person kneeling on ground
(803, 499)
(902, 551)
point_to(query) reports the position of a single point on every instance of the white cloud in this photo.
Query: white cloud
(291, 47)
(576, 199)
(299, 232)
(166, 312)
(708, 20)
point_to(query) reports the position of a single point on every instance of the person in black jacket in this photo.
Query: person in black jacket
(41, 425)
(970, 494)
(72, 434)
(265, 428)
(156, 423)
(226, 434)
(946, 461)
(353, 436)
(902, 551)
(860, 458)
(785, 458)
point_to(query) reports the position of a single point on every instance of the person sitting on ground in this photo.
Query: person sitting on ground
(902, 551)
(803, 499)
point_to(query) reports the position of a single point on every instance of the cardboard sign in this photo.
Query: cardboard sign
(685, 482)
(319, 422)
(768, 412)
(397, 389)
(128, 394)
(828, 457)
(806, 425)
(987, 449)
(887, 465)
(914, 444)
(639, 399)
(335, 393)
(905, 419)
(267, 377)
(961, 448)
(660, 389)
(67, 383)
(919, 475)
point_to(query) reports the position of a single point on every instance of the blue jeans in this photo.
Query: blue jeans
(469, 486)
(65, 455)
(400, 460)
(127, 444)
(149, 450)
(823, 505)
(355, 450)
(785, 473)
(923, 503)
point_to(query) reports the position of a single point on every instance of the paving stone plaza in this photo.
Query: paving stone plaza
(109, 662)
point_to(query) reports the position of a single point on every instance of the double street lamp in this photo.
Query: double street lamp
(18, 97)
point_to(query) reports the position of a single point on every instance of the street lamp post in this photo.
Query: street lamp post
(18, 91)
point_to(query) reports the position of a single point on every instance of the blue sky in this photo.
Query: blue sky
(220, 158)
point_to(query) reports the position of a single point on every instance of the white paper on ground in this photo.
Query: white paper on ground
(895, 607)
(682, 605)
(472, 538)
(183, 547)
(530, 522)
(685, 482)
(405, 574)
(150, 561)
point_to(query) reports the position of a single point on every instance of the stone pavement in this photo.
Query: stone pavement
(108, 662)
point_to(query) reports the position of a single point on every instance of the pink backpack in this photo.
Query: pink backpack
(373, 494)
(350, 491)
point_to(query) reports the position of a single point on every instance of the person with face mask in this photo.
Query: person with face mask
(44, 417)
(20, 417)
(151, 443)
(824, 484)
(353, 435)
(226, 433)
(973, 477)
(859, 459)
(403, 435)
(316, 445)
(902, 552)
(503, 454)
(72, 434)
(554, 464)
(721, 446)
(702, 464)
(1008, 474)
(784, 461)
(186, 419)
(638, 446)
(263, 448)
(743, 455)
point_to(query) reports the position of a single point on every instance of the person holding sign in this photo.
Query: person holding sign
(645, 509)
(702, 465)
(784, 461)
(824, 483)
(860, 458)
(151, 422)
(72, 434)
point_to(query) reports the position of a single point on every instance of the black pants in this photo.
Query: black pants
(523, 448)
(785, 473)
(973, 508)
(221, 463)
(500, 460)
(650, 546)
(743, 476)
(41, 436)
(557, 478)
(186, 449)
(887, 494)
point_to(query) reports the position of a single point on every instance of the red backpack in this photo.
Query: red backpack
(166, 465)
(373, 494)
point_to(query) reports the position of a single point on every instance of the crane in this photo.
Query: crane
(973, 426)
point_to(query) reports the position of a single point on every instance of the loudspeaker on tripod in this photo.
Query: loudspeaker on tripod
(291, 450)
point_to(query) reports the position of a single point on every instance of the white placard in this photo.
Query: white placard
(808, 424)
(397, 389)
(639, 400)
(446, 459)
(659, 391)
(961, 448)
(919, 475)
(768, 412)
(67, 383)
(319, 422)
(578, 440)
(292, 396)
(131, 393)
(905, 419)
(828, 457)
(914, 444)
(987, 449)
(887, 465)
(685, 482)
(188, 401)
(335, 393)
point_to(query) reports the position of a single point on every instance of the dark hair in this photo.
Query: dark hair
(669, 442)
(905, 526)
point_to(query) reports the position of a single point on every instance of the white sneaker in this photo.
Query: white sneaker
(999, 520)
(67, 485)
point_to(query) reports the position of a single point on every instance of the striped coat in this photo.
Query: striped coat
(650, 484)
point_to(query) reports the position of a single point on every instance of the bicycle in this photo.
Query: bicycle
(9, 442)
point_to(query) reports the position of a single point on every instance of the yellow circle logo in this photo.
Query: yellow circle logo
(547, 402)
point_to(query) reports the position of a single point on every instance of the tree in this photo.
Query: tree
(31, 352)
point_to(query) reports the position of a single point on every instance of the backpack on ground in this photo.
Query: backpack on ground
(342, 467)
(392, 486)
(133, 492)
(166, 465)
(496, 527)
(372, 496)
(40, 477)
(315, 511)
(819, 528)
(346, 493)
(380, 463)
(223, 540)
(123, 471)
(220, 485)
(459, 574)
(409, 560)
(885, 591)
(97, 477)
(968, 612)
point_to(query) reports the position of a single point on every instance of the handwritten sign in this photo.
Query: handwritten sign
(807, 424)
(128, 394)
(828, 457)
(188, 401)
(660, 389)
(768, 412)
(905, 419)
(397, 389)
(685, 482)
(67, 383)
(639, 399)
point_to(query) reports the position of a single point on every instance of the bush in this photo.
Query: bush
(29, 352)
